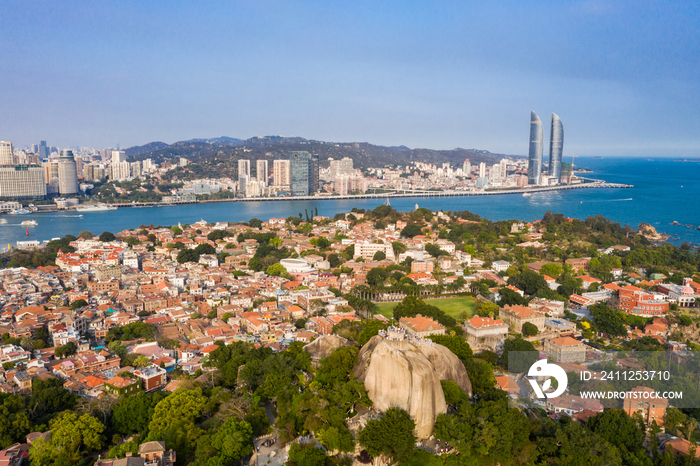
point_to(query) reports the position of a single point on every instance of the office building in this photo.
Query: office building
(7, 156)
(304, 169)
(556, 146)
(281, 173)
(244, 168)
(482, 170)
(262, 172)
(534, 166)
(118, 156)
(67, 173)
(22, 181)
(467, 167)
(43, 151)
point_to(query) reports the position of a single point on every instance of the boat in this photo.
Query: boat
(95, 208)
(527, 194)
(29, 223)
(20, 212)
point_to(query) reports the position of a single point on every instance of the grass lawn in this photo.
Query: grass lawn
(452, 306)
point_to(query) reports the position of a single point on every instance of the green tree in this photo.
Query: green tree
(232, 442)
(551, 270)
(609, 320)
(71, 435)
(529, 329)
(391, 435)
(66, 350)
(379, 256)
(78, 303)
(276, 270)
(132, 415)
(14, 422)
(106, 237)
(306, 455)
(187, 255)
(530, 282)
(518, 355)
(411, 230)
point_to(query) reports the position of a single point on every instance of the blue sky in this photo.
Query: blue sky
(623, 76)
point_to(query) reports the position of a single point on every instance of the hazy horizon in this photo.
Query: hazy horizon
(623, 76)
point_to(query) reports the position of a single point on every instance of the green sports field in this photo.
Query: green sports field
(452, 306)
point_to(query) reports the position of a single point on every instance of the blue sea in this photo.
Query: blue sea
(664, 191)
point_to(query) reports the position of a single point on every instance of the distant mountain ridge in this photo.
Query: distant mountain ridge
(363, 154)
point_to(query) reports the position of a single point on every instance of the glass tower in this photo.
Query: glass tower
(534, 166)
(556, 146)
(304, 171)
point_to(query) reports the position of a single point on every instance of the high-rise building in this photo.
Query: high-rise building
(262, 172)
(556, 147)
(304, 169)
(7, 155)
(482, 170)
(534, 166)
(504, 169)
(244, 168)
(43, 151)
(22, 181)
(495, 175)
(118, 156)
(242, 181)
(281, 173)
(67, 173)
(467, 167)
(343, 166)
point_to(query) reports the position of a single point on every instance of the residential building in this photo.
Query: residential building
(639, 400)
(281, 173)
(572, 404)
(565, 349)
(485, 333)
(7, 155)
(153, 377)
(515, 316)
(421, 326)
(262, 171)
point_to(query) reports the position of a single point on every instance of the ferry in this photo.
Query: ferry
(20, 212)
(95, 208)
(527, 194)
(29, 223)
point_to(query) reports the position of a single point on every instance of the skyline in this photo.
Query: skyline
(390, 74)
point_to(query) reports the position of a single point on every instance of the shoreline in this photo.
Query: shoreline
(396, 194)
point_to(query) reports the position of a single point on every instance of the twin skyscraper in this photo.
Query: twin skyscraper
(556, 147)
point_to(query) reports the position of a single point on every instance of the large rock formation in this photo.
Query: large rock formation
(322, 347)
(407, 374)
(650, 233)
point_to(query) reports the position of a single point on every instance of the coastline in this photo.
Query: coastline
(397, 194)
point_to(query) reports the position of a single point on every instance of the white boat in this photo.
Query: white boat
(29, 223)
(527, 194)
(95, 208)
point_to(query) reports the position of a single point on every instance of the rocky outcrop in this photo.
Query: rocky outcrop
(650, 233)
(322, 347)
(407, 375)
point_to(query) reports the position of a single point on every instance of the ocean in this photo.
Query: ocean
(665, 191)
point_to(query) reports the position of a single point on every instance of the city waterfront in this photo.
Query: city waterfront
(663, 193)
